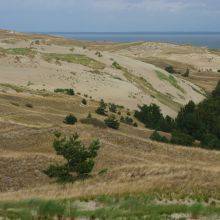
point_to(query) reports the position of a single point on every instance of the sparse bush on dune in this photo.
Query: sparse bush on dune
(112, 107)
(127, 120)
(112, 122)
(101, 110)
(65, 91)
(98, 53)
(79, 160)
(84, 102)
(70, 119)
(170, 69)
(116, 65)
(135, 124)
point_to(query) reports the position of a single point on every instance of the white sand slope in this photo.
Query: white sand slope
(135, 83)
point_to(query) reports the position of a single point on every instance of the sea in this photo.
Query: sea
(202, 39)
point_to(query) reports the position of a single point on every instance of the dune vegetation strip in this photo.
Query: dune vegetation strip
(145, 86)
(74, 58)
(170, 79)
(108, 207)
(19, 51)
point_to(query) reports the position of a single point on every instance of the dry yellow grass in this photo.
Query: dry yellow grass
(134, 164)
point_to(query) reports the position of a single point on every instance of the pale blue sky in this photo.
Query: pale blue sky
(110, 15)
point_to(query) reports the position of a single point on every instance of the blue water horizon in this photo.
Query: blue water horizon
(202, 39)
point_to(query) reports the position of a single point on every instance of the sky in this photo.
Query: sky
(110, 15)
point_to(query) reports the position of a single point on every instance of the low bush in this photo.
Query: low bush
(112, 122)
(169, 69)
(65, 91)
(181, 138)
(84, 102)
(70, 119)
(116, 65)
(112, 107)
(210, 141)
(101, 110)
(98, 53)
(157, 137)
(79, 160)
(135, 124)
(29, 105)
(127, 120)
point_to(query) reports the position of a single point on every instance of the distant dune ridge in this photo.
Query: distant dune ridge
(51, 62)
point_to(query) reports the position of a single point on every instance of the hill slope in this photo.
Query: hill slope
(42, 64)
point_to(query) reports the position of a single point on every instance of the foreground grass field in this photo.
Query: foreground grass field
(111, 207)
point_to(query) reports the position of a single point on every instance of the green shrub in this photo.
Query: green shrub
(112, 122)
(65, 91)
(101, 110)
(135, 124)
(181, 138)
(70, 119)
(150, 116)
(98, 53)
(218, 71)
(157, 137)
(93, 121)
(84, 102)
(112, 107)
(116, 65)
(79, 160)
(169, 69)
(127, 120)
(210, 141)
(166, 124)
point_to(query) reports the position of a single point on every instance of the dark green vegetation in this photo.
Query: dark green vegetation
(201, 122)
(116, 65)
(181, 138)
(65, 91)
(152, 117)
(79, 160)
(112, 122)
(84, 102)
(102, 109)
(74, 58)
(107, 207)
(170, 69)
(70, 119)
(157, 137)
(112, 107)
